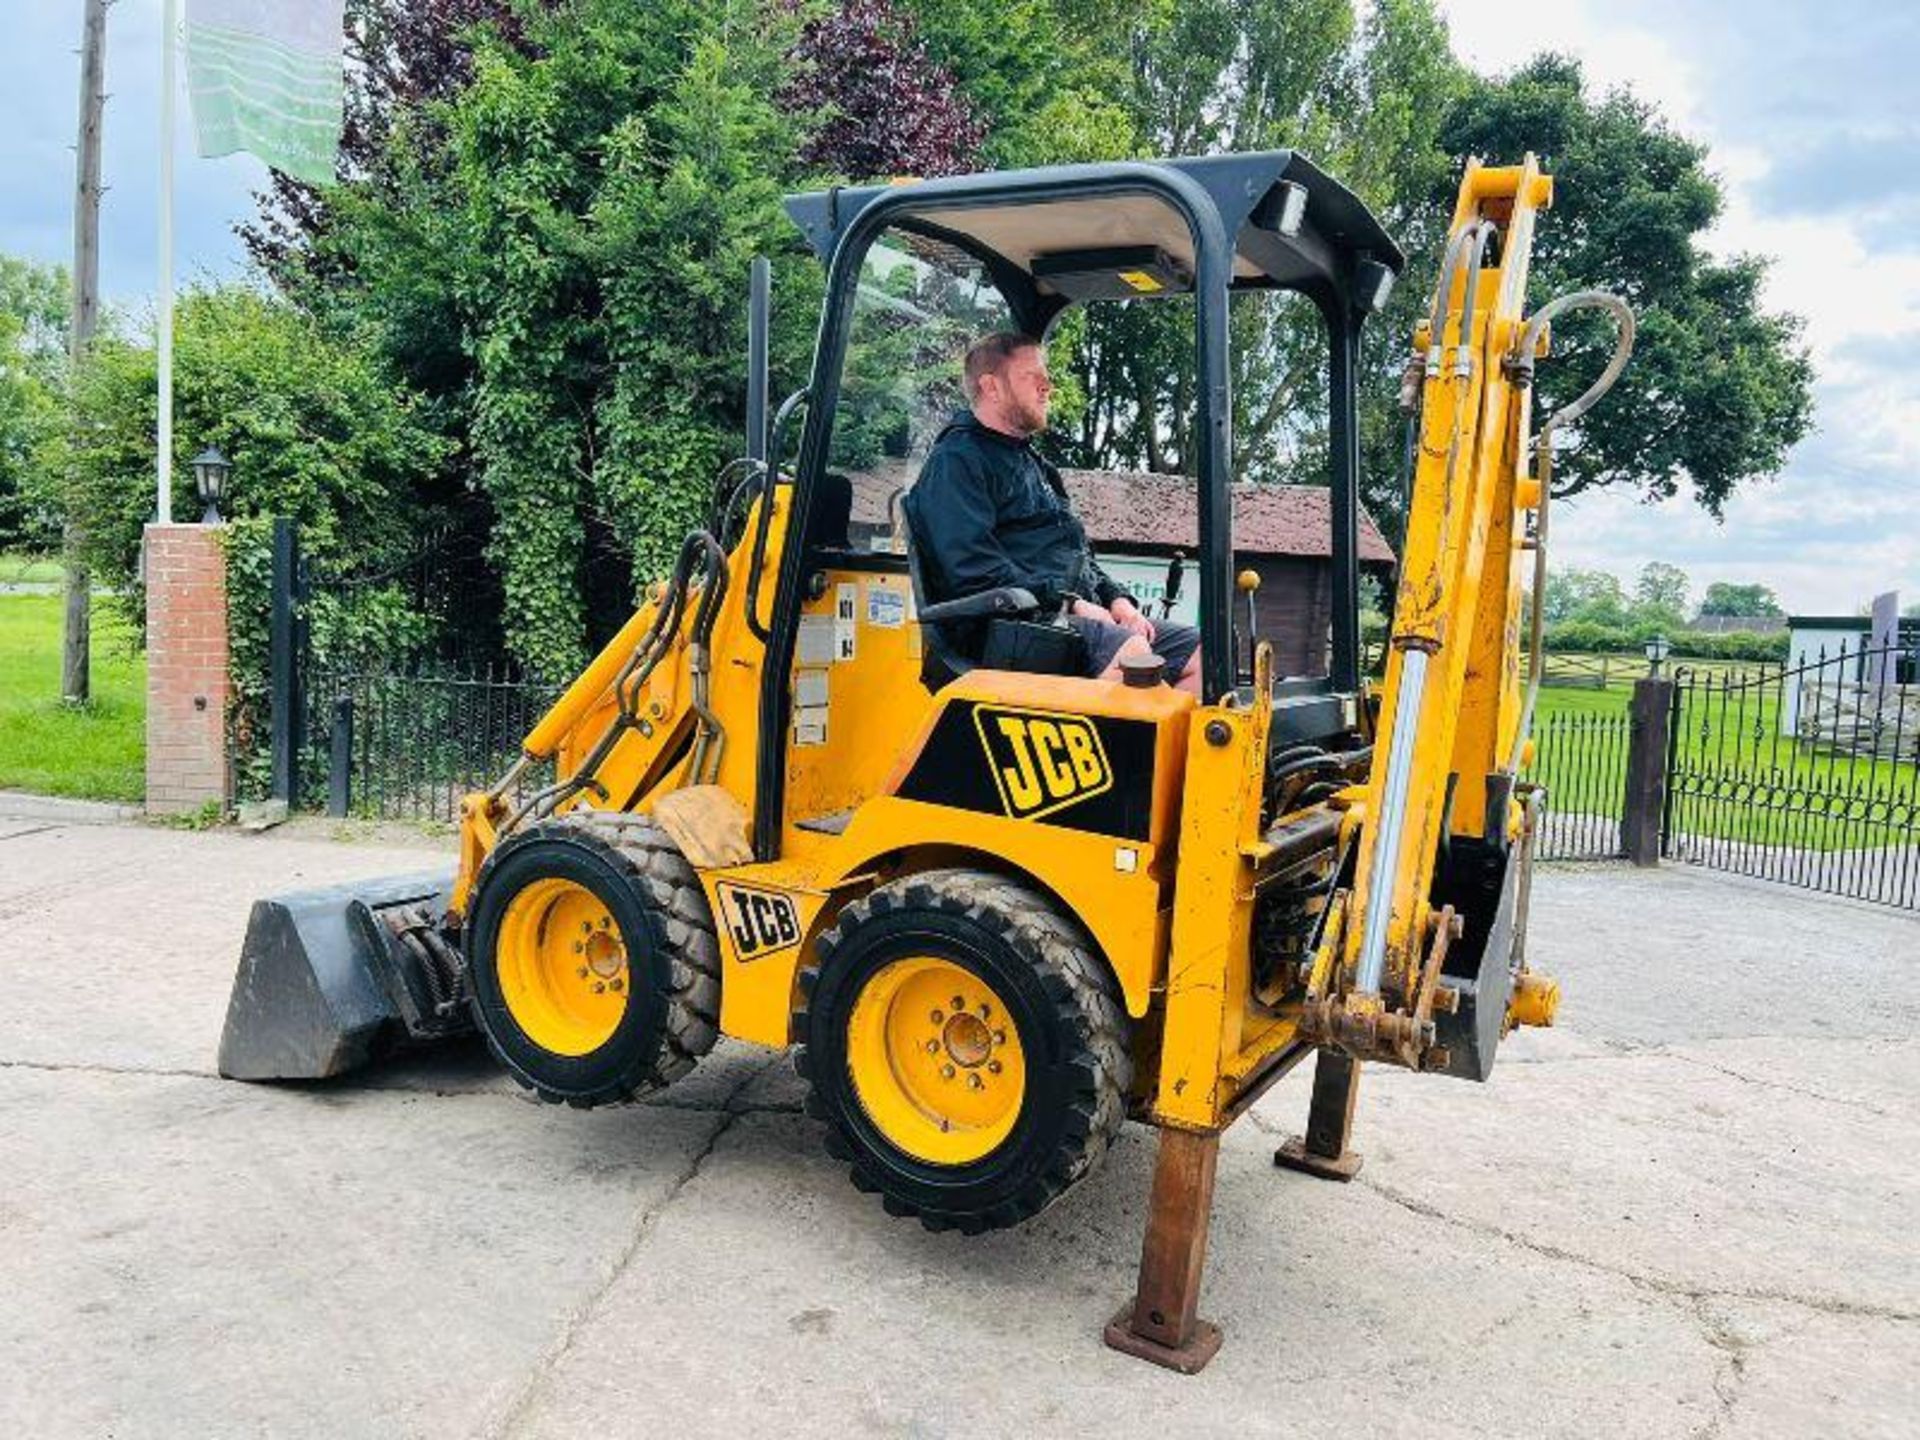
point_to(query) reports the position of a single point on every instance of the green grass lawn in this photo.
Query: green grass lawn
(96, 753)
(30, 569)
(1747, 782)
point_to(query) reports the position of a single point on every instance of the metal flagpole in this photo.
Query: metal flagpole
(163, 457)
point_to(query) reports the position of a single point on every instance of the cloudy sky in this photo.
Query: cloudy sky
(1810, 112)
(1812, 115)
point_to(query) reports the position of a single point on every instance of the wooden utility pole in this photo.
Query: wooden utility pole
(76, 653)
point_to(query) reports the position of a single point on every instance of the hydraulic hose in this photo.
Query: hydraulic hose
(654, 646)
(1522, 367)
(770, 481)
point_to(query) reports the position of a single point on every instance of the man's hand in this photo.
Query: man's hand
(1127, 616)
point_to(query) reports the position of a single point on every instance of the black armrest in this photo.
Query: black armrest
(988, 604)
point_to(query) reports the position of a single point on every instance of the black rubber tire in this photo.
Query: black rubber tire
(1072, 1024)
(655, 898)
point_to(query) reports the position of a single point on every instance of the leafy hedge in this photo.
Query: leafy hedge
(1584, 637)
(315, 429)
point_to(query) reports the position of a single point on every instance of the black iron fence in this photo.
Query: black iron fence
(407, 744)
(386, 699)
(1582, 762)
(1808, 775)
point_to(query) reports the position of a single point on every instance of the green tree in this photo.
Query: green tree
(563, 278)
(1662, 585)
(1364, 99)
(314, 428)
(1720, 388)
(1593, 597)
(1050, 77)
(33, 329)
(1725, 598)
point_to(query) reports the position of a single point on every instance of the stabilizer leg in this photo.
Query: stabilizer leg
(1160, 1324)
(1323, 1150)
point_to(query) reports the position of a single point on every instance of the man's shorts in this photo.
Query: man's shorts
(1172, 642)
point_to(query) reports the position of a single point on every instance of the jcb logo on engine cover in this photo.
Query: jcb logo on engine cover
(759, 922)
(1042, 762)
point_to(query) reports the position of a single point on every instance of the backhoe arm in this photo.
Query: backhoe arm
(1419, 974)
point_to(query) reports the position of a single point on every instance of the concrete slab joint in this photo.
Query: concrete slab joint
(187, 683)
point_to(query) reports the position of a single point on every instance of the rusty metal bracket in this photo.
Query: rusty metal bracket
(1324, 1151)
(1160, 1324)
(1364, 1029)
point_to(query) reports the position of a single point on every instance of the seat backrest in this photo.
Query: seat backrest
(829, 512)
(940, 663)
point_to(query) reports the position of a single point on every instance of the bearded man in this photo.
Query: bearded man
(987, 511)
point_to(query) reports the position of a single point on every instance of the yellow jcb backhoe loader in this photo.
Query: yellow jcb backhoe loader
(995, 912)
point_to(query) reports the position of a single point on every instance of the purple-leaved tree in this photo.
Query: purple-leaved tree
(881, 107)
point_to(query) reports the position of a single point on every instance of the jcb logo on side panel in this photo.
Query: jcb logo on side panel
(759, 922)
(1042, 762)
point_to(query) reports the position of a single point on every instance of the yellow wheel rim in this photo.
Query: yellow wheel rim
(935, 1060)
(563, 967)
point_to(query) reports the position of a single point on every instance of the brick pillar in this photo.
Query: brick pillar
(186, 668)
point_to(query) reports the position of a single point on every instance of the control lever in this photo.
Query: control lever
(1248, 584)
(1176, 571)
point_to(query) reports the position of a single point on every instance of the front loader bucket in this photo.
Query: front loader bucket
(325, 986)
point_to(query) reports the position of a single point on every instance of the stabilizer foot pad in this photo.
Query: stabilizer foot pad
(1189, 1359)
(1294, 1155)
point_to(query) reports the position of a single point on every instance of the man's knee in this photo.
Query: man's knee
(1190, 675)
(1132, 646)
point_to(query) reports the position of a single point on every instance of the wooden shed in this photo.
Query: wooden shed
(1138, 520)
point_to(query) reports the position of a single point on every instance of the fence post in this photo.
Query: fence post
(1645, 801)
(283, 662)
(340, 757)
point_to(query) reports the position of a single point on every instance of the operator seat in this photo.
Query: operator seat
(996, 629)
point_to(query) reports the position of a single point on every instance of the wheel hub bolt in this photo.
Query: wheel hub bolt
(939, 1017)
(615, 984)
(986, 1010)
(959, 1002)
(933, 1047)
(975, 1081)
(946, 1072)
(999, 1037)
(993, 1067)
(599, 987)
(586, 927)
(582, 972)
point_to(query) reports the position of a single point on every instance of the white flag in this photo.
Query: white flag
(267, 76)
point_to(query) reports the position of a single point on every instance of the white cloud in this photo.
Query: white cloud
(1841, 523)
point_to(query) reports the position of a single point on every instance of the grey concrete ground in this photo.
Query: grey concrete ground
(1691, 1210)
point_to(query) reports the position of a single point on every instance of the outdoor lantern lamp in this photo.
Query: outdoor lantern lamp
(210, 472)
(1658, 648)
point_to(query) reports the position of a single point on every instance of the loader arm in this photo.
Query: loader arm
(643, 718)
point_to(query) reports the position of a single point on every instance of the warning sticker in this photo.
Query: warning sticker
(846, 612)
(810, 726)
(886, 608)
(816, 639)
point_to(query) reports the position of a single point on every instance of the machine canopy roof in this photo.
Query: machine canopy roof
(1049, 227)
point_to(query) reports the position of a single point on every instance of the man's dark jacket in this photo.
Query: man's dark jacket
(987, 511)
